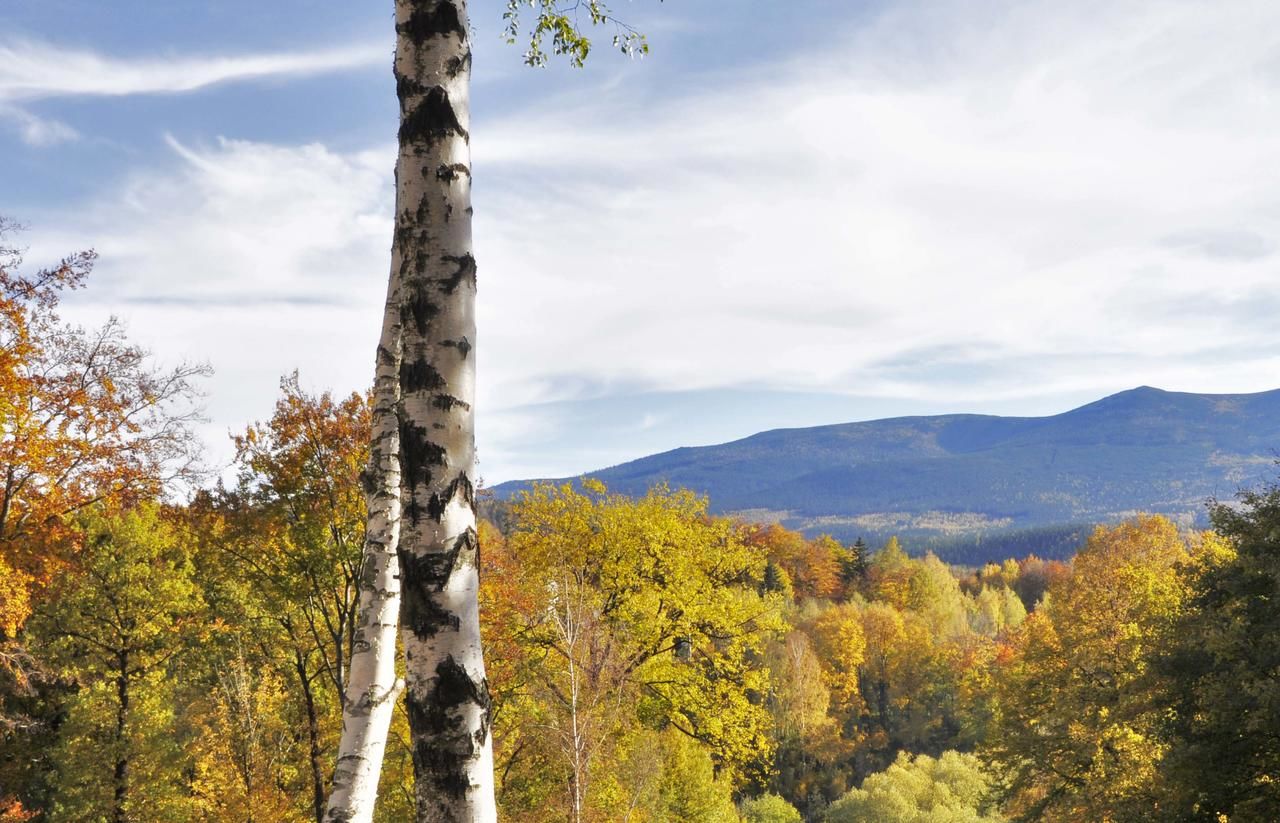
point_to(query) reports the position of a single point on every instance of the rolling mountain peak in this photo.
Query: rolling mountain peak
(984, 478)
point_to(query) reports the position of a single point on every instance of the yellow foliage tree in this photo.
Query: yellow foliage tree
(637, 613)
(841, 645)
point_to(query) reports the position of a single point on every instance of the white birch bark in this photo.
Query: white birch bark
(372, 686)
(447, 697)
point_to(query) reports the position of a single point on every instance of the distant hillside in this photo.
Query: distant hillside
(973, 486)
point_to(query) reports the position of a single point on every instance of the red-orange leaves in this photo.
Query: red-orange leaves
(84, 418)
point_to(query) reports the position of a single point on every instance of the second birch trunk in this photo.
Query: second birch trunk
(372, 686)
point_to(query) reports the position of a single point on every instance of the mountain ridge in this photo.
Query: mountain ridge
(1142, 449)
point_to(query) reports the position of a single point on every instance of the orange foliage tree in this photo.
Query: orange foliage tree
(84, 418)
(813, 566)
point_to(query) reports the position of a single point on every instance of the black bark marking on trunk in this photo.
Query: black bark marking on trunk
(421, 578)
(408, 235)
(368, 580)
(432, 119)
(407, 88)
(466, 271)
(424, 576)
(385, 356)
(436, 20)
(419, 309)
(403, 242)
(442, 753)
(457, 65)
(449, 172)
(369, 476)
(440, 500)
(430, 572)
(424, 617)
(419, 375)
(447, 402)
(463, 345)
(418, 454)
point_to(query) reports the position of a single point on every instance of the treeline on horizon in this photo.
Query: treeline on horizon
(1058, 541)
(647, 661)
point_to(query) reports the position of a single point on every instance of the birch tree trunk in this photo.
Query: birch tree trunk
(372, 686)
(448, 696)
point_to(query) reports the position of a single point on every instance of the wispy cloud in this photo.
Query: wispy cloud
(32, 70)
(37, 131)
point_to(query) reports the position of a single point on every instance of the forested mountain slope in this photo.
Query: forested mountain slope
(957, 482)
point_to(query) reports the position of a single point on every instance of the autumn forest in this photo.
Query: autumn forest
(174, 645)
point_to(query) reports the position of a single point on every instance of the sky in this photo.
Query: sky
(787, 214)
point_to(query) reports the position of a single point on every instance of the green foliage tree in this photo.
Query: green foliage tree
(768, 808)
(889, 575)
(853, 564)
(85, 420)
(995, 610)
(934, 593)
(117, 628)
(689, 788)
(908, 684)
(953, 788)
(248, 759)
(807, 728)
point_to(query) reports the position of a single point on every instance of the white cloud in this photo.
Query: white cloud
(31, 70)
(966, 205)
(258, 259)
(1021, 177)
(37, 131)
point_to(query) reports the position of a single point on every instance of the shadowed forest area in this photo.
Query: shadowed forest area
(174, 648)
